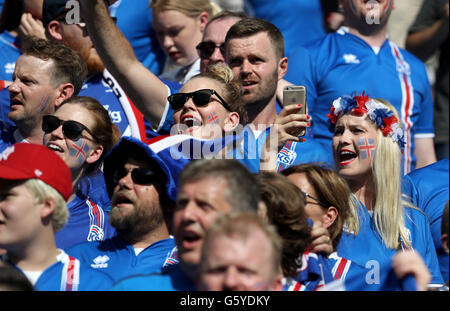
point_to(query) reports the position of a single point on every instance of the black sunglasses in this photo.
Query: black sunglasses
(206, 49)
(306, 196)
(141, 175)
(71, 129)
(200, 98)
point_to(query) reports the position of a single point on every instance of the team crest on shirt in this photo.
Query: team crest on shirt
(286, 156)
(95, 234)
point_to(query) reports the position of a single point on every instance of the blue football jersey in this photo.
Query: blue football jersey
(375, 276)
(123, 113)
(298, 29)
(314, 273)
(309, 151)
(88, 220)
(7, 138)
(367, 246)
(70, 274)
(118, 258)
(344, 63)
(428, 187)
(168, 279)
(9, 53)
(5, 122)
(134, 19)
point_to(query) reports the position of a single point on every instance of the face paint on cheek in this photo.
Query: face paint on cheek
(79, 150)
(213, 118)
(366, 147)
(45, 100)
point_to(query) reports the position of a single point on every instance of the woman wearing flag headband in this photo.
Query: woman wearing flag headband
(367, 148)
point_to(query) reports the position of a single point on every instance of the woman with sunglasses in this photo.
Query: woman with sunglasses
(283, 206)
(81, 133)
(179, 26)
(368, 140)
(209, 104)
(327, 201)
(326, 196)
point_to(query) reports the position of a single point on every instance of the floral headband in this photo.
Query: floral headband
(376, 111)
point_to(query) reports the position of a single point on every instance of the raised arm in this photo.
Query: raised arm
(146, 90)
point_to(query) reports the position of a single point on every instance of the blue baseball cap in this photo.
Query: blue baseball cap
(119, 154)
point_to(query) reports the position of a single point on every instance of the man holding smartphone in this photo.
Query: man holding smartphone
(359, 58)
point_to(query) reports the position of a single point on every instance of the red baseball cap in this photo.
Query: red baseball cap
(23, 161)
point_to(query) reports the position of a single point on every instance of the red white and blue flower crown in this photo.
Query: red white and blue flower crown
(376, 111)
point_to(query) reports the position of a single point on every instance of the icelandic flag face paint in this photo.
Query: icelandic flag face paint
(213, 118)
(366, 147)
(79, 150)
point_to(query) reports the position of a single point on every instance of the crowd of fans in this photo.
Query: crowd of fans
(146, 146)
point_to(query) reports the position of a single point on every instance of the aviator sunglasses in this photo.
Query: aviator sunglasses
(206, 49)
(141, 175)
(71, 129)
(200, 98)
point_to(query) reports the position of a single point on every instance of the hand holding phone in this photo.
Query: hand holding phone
(295, 95)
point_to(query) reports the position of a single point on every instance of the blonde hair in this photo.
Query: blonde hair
(389, 205)
(232, 89)
(191, 8)
(388, 211)
(42, 191)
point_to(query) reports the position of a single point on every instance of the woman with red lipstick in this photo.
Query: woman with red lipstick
(179, 26)
(81, 133)
(367, 143)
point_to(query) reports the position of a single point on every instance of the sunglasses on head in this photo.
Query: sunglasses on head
(71, 129)
(200, 98)
(206, 49)
(141, 175)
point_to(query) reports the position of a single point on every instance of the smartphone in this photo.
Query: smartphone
(294, 95)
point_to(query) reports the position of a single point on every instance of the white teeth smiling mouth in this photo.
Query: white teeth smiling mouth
(191, 122)
(54, 147)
